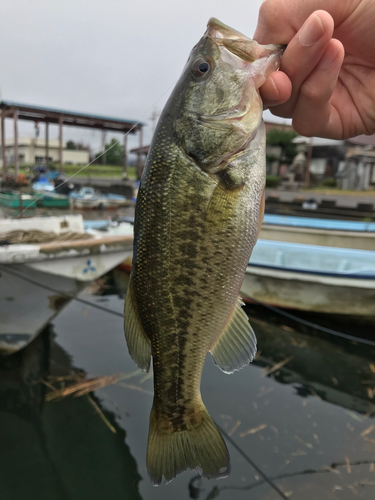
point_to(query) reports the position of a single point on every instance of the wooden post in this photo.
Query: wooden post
(47, 150)
(61, 143)
(16, 166)
(104, 157)
(20, 202)
(3, 144)
(308, 161)
(125, 170)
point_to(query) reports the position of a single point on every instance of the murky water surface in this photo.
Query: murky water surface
(302, 413)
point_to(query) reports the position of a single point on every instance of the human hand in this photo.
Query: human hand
(325, 93)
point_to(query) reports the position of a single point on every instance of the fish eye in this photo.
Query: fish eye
(201, 67)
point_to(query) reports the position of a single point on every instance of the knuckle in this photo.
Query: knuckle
(311, 92)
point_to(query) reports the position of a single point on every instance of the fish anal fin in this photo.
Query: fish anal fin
(237, 345)
(139, 344)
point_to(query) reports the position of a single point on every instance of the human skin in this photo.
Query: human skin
(326, 82)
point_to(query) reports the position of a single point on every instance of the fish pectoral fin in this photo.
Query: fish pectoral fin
(237, 345)
(139, 344)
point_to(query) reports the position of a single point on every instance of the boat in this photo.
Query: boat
(37, 279)
(87, 198)
(325, 232)
(311, 278)
(12, 199)
(47, 196)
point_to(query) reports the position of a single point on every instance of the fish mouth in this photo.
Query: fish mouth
(239, 44)
(258, 60)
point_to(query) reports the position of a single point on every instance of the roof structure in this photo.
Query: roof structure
(363, 140)
(61, 117)
(72, 118)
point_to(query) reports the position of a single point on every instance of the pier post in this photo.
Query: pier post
(60, 143)
(47, 149)
(125, 169)
(16, 166)
(3, 144)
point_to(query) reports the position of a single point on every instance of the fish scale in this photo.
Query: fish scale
(196, 222)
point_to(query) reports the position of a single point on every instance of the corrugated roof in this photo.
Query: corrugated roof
(32, 112)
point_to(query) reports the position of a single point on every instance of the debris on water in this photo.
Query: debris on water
(372, 367)
(298, 453)
(234, 428)
(305, 443)
(101, 414)
(277, 366)
(263, 391)
(367, 431)
(348, 467)
(253, 430)
(82, 387)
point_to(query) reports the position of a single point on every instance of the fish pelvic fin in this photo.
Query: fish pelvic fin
(200, 448)
(139, 344)
(237, 345)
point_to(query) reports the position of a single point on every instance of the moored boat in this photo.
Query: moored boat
(37, 279)
(11, 199)
(325, 232)
(311, 278)
(87, 198)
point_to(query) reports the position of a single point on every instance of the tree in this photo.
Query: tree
(115, 156)
(283, 138)
(70, 145)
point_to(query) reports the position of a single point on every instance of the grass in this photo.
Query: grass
(323, 190)
(98, 171)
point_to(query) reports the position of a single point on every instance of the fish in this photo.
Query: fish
(198, 213)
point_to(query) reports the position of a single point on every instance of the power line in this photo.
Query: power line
(314, 325)
(248, 459)
(54, 290)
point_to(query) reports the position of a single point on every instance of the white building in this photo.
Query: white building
(33, 152)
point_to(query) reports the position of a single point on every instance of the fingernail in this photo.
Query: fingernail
(327, 59)
(311, 31)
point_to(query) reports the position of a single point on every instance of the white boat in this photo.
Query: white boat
(87, 198)
(311, 278)
(325, 232)
(37, 280)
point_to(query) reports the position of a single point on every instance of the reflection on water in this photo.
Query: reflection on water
(301, 414)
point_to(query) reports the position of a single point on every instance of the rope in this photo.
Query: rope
(37, 236)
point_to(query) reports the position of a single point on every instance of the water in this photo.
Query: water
(308, 425)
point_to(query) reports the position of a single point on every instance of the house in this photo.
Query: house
(350, 162)
(32, 151)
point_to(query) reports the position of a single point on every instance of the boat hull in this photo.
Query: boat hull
(13, 200)
(323, 237)
(37, 281)
(309, 292)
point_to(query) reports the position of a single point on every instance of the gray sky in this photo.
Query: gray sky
(110, 57)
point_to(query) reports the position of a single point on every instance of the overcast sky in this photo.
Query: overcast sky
(117, 58)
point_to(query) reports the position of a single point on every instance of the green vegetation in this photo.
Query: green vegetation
(330, 183)
(115, 155)
(272, 181)
(283, 138)
(100, 171)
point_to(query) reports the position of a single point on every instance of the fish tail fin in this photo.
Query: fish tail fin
(201, 448)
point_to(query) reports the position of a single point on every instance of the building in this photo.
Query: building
(32, 151)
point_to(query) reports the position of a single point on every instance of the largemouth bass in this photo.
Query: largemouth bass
(198, 214)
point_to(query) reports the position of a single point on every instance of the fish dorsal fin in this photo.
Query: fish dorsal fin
(139, 344)
(237, 345)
